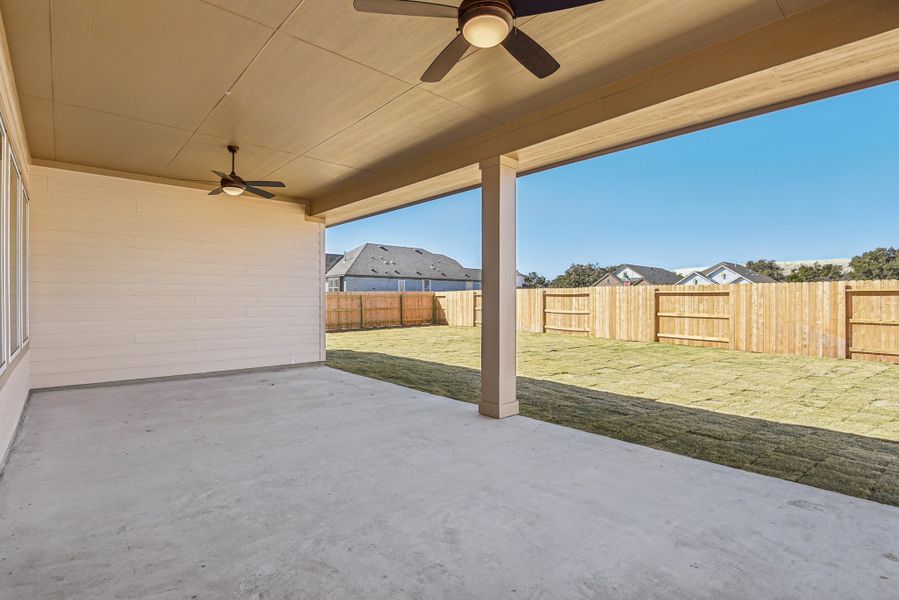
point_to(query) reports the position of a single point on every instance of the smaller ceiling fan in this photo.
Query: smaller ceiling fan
(481, 23)
(234, 185)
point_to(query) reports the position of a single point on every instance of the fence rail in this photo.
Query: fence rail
(370, 310)
(834, 319)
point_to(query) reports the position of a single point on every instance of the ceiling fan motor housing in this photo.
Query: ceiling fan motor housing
(485, 23)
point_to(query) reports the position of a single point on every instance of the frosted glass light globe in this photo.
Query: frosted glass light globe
(486, 30)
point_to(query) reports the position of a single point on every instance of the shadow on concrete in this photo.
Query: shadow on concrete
(842, 462)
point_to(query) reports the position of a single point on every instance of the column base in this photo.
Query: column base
(498, 411)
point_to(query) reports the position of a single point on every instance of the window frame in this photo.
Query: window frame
(24, 265)
(13, 353)
(5, 154)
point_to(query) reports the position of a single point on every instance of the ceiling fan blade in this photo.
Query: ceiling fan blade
(266, 183)
(216, 192)
(220, 174)
(409, 8)
(526, 8)
(446, 60)
(530, 54)
(258, 192)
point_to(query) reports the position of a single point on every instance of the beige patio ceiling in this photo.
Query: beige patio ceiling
(329, 100)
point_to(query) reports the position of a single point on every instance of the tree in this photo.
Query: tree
(581, 275)
(880, 263)
(763, 266)
(816, 272)
(535, 280)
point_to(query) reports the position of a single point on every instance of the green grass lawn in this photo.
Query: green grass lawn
(833, 424)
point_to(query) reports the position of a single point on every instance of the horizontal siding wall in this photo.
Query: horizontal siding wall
(132, 279)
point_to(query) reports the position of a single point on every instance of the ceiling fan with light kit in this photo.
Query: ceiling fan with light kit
(483, 24)
(234, 185)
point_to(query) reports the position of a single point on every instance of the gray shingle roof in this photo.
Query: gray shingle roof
(331, 260)
(654, 275)
(742, 270)
(379, 260)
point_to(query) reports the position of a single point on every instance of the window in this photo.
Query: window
(4, 185)
(333, 284)
(26, 272)
(14, 282)
(14, 249)
(401, 285)
(426, 285)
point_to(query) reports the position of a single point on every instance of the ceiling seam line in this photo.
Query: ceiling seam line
(356, 122)
(112, 114)
(236, 14)
(462, 106)
(327, 162)
(415, 85)
(347, 58)
(231, 87)
(292, 158)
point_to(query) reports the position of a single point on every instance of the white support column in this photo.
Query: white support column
(499, 271)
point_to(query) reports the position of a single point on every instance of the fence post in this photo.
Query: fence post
(361, 311)
(847, 321)
(732, 300)
(402, 322)
(543, 311)
(655, 316)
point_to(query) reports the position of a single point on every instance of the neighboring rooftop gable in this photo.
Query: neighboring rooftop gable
(379, 260)
(688, 280)
(741, 270)
(652, 275)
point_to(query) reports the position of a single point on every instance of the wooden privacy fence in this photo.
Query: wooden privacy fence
(833, 319)
(370, 310)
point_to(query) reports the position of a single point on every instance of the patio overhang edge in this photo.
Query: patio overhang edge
(836, 47)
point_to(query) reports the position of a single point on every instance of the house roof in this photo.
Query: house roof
(693, 274)
(331, 260)
(741, 270)
(380, 260)
(653, 275)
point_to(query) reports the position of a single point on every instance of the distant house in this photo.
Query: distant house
(381, 268)
(695, 278)
(638, 275)
(724, 273)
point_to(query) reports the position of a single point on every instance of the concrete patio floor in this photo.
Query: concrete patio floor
(315, 483)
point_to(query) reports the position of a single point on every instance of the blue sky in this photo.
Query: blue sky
(812, 182)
